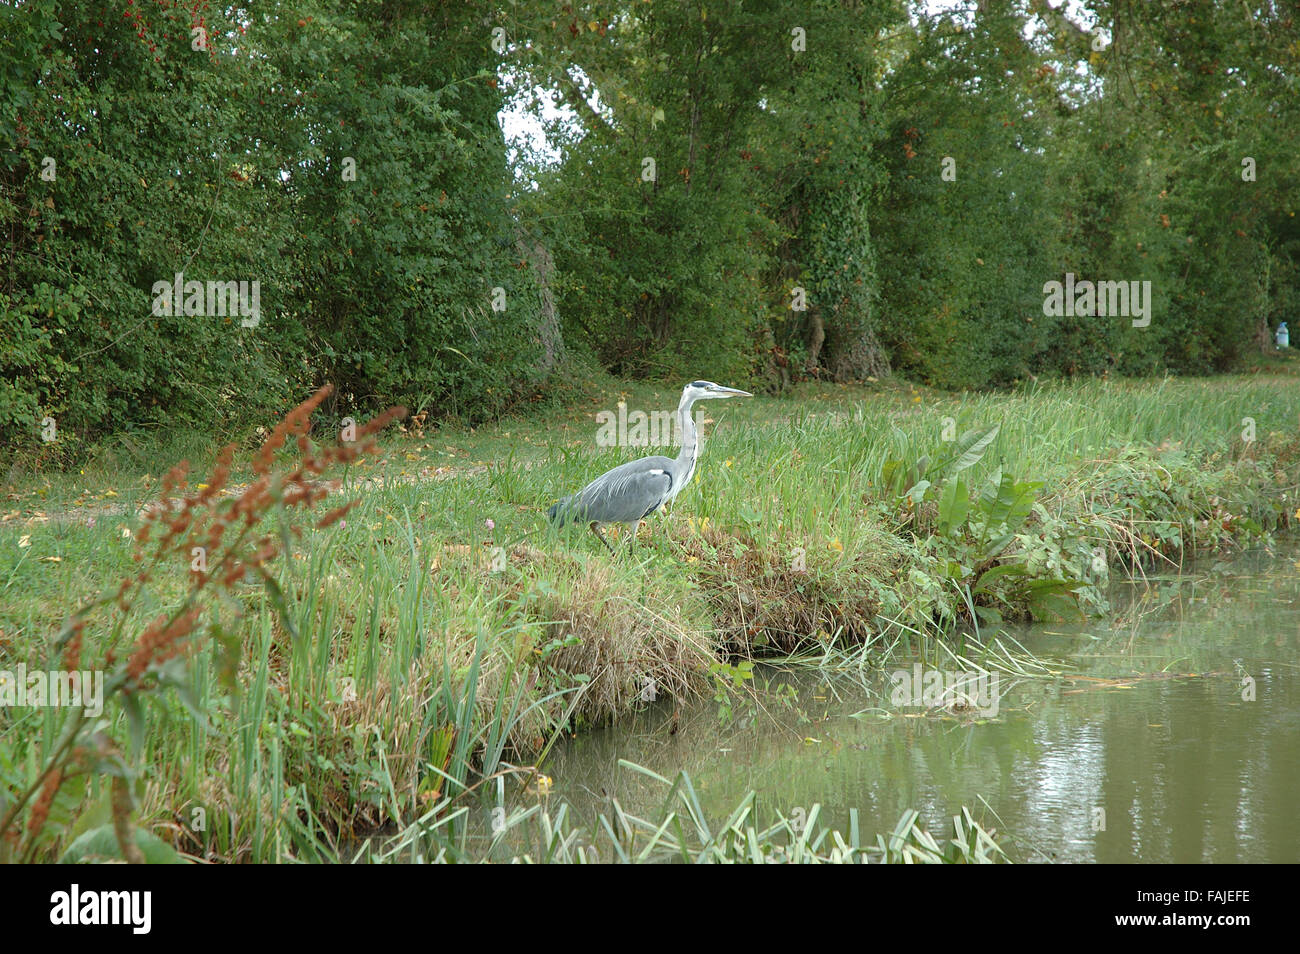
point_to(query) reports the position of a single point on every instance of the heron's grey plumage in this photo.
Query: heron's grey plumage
(629, 492)
(635, 490)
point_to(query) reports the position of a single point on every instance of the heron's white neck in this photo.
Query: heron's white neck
(690, 438)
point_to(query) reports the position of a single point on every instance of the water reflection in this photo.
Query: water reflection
(1144, 750)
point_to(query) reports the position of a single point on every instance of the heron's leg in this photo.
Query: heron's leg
(595, 528)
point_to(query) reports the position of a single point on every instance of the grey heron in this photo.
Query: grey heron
(632, 491)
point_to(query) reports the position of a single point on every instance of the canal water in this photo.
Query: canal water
(1170, 733)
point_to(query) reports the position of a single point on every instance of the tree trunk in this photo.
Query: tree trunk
(548, 320)
(817, 338)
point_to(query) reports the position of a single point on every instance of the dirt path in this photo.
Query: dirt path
(92, 507)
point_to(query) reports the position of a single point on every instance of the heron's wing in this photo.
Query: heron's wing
(628, 492)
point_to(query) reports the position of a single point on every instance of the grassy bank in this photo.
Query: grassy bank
(388, 665)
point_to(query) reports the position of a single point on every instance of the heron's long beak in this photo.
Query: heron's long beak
(722, 392)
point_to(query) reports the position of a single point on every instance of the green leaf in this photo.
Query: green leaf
(917, 492)
(993, 574)
(954, 505)
(995, 546)
(970, 449)
(100, 844)
(278, 602)
(175, 674)
(135, 720)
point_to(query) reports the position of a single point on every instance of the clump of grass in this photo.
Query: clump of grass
(769, 596)
(625, 634)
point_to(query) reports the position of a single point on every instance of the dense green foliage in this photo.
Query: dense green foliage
(357, 174)
(922, 177)
(967, 228)
(741, 190)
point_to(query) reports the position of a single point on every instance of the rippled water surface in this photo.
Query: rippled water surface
(1147, 748)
